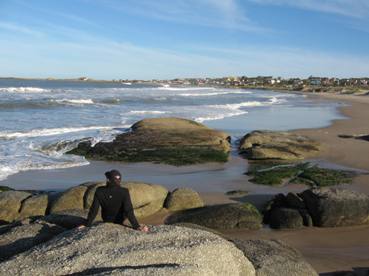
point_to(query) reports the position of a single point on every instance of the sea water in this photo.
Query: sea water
(39, 119)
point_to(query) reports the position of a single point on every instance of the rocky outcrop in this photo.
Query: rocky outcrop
(147, 199)
(34, 206)
(266, 145)
(225, 216)
(336, 207)
(70, 199)
(286, 211)
(108, 249)
(272, 257)
(73, 204)
(183, 199)
(10, 204)
(285, 218)
(23, 237)
(165, 140)
(319, 207)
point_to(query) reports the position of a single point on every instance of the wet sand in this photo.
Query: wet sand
(349, 152)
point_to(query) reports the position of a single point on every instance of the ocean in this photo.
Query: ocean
(40, 118)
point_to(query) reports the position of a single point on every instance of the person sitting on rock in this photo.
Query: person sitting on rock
(115, 203)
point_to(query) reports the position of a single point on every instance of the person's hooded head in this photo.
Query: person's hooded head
(113, 177)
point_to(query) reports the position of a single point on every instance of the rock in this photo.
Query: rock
(10, 204)
(285, 218)
(225, 216)
(335, 207)
(264, 145)
(237, 193)
(23, 237)
(109, 249)
(294, 201)
(182, 199)
(272, 257)
(286, 212)
(165, 140)
(147, 199)
(72, 198)
(34, 206)
(277, 202)
(199, 227)
(5, 188)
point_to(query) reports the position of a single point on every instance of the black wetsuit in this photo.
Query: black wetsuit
(115, 205)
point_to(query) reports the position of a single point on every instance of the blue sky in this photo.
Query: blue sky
(162, 39)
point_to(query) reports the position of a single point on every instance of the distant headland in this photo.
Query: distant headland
(354, 85)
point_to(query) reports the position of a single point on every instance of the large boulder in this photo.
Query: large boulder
(285, 218)
(182, 199)
(166, 140)
(336, 207)
(10, 204)
(34, 206)
(23, 237)
(109, 249)
(272, 258)
(147, 199)
(265, 145)
(224, 216)
(286, 211)
(72, 198)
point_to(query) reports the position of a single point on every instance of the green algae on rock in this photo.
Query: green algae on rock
(303, 173)
(172, 141)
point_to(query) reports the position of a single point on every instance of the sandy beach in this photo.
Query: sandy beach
(327, 249)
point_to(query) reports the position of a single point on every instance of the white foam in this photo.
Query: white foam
(54, 131)
(6, 171)
(24, 90)
(74, 101)
(219, 116)
(235, 109)
(236, 106)
(212, 94)
(184, 88)
(148, 112)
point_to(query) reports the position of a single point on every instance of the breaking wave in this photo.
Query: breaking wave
(24, 90)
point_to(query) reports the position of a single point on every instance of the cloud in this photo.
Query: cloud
(106, 59)
(226, 14)
(12, 27)
(351, 8)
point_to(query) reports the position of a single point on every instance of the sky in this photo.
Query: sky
(164, 39)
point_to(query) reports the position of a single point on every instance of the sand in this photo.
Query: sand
(350, 152)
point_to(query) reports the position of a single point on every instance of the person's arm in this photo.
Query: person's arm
(128, 210)
(93, 211)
